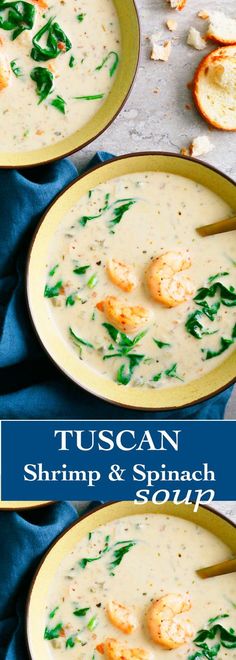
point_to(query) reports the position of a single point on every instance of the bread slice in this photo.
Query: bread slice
(214, 88)
(177, 4)
(222, 28)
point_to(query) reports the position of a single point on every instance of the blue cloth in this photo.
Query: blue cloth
(25, 537)
(30, 385)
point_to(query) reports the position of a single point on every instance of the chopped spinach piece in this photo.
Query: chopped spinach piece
(120, 207)
(86, 218)
(53, 270)
(70, 300)
(119, 553)
(161, 344)
(171, 372)
(195, 327)
(227, 295)
(214, 277)
(52, 614)
(70, 643)
(82, 612)
(80, 17)
(125, 374)
(80, 270)
(56, 42)
(16, 69)
(89, 97)
(53, 633)
(217, 618)
(19, 16)
(60, 104)
(44, 80)
(114, 64)
(157, 377)
(88, 560)
(122, 340)
(52, 291)
(72, 62)
(79, 339)
(224, 344)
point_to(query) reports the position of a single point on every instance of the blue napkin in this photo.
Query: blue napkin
(25, 538)
(30, 385)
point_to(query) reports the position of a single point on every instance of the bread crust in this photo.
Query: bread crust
(219, 54)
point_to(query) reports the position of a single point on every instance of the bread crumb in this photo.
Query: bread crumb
(171, 24)
(177, 4)
(195, 39)
(203, 14)
(156, 90)
(200, 146)
(184, 151)
(160, 51)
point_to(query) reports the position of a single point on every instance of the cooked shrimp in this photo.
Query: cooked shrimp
(124, 317)
(166, 281)
(164, 624)
(122, 275)
(114, 650)
(40, 3)
(5, 73)
(122, 617)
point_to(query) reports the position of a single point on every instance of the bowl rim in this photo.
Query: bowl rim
(26, 505)
(126, 406)
(85, 515)
(79, 148)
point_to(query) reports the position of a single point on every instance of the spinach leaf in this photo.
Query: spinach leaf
(44, 81)
(16, 16)
(16, 69)
(72, 62)
(52, 291)
(157, 377)
(88, 560)
(56, 42)
(224, 344)
(89, 97)
(52, 614)
(195, 327)
(70, 643)
(82, 612)
(53, 270)
(70, 300)
(53, 633)
(122, 340)
(81, 17)
(120, 207)
(161, 344)
(171, 372)
(125, 374)
(209, 310)
(217, 618)
(80, 270)
(60, 104)
(119, 553)
(114, 64)
(214, 277)
(86, 218)
(79, 339)
(227, 295)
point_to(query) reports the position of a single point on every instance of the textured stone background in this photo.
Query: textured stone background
(161, 121)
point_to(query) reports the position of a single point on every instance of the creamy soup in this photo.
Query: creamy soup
(57, 72)
(133, 562)
(109, 243)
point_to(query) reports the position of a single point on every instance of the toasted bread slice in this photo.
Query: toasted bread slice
(222, 28)
(214, 88)
(177, 4)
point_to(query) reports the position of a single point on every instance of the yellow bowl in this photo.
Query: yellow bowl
(205, 517)
(130, 44)
(133, 397)
(15, 506)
